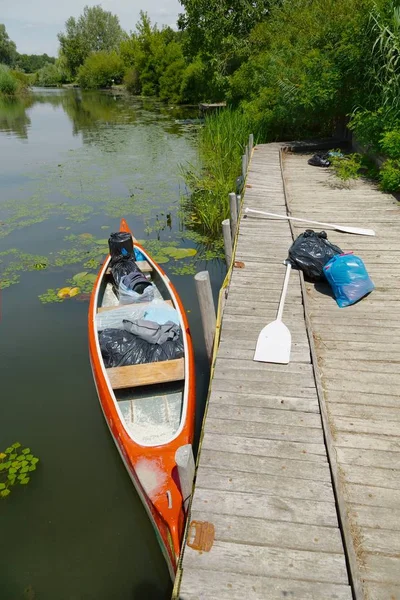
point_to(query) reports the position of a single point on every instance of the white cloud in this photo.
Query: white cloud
(33, 26)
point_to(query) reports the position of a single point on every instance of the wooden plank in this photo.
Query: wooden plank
(376, 476)
(251, 463)
(272, 562)
(375, 412)
(262, 506)
(262, 532)
(367, 442)
(384, 541)
(271, 485)
(381, 569)
(264, 415)
(215, 585)
(263, 447)
(258, 387)
(375, 517)
(300, 353)
(264, 430)
(147, 374)
(372, 496)
(369, 458)
(384, 591)
(308, 405)
(139, 305)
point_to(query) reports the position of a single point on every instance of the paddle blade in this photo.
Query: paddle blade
(274, 344)
(355, 230)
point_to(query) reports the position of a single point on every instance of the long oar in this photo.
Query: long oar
(275, 340)
(356, 230)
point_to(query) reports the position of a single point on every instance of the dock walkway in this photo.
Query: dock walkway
(263, 479)
(289, 452)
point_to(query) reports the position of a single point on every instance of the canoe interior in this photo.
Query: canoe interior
(152, 413)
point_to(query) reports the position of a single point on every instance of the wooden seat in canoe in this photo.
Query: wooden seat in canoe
(139, 304)
(146, 374)
(143, 265)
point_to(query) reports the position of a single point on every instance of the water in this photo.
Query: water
(71, 166)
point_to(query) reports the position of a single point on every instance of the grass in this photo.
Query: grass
(8, 83)
(221, 144)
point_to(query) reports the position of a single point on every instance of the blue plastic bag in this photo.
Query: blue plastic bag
(348, 278)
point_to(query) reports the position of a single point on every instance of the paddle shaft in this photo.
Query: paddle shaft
(338, 227)
(284, 292)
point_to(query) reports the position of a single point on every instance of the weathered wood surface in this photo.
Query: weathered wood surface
(263, 479)
(358, 354)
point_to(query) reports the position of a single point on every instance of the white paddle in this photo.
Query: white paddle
(356, 230)
(275, 340)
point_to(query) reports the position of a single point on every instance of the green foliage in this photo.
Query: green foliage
(155, 61)
(347, 167)
(30, 63)
(8, 83)
(385, 28)
(48, 76)
(218, 31)
(221, 144)
(8, 49)
(96, 30)
(16, 464)
(390, 176)
(390, 143)
(132, 81)
(101, 70)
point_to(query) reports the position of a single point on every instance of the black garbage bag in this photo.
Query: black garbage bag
(121, 348)
(120, 243)
(319, 160)
(125, 269)
(310, 252)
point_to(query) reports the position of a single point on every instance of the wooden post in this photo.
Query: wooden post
(251, 143)
(238, 204)
(234, 214)
(207, 309)
(185, 462)
(244, 166)
(226, 230)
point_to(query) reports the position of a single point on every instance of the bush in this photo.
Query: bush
(131, 81)
(347, 167)
(390, 143)
(390, 176)
(101, 70)
(48, 76)
(8, 83)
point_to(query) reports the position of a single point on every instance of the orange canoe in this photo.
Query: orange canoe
(149, 408)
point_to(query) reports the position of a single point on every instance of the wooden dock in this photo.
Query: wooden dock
(297, 459)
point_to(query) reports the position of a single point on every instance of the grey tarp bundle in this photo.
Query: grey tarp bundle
(152, 332)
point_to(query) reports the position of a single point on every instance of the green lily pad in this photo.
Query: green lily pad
(179, 253)
(161, 259)
(102, 242)
(79, 276)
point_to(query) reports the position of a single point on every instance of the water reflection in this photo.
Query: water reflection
(89, 112)
(14, 117)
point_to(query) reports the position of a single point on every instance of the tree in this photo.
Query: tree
(213, 25)
(8, 49)
(30, 63)
(101, 70)
(94, 31)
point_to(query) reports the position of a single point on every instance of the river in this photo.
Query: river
(72, 164)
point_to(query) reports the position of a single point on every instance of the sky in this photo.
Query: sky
(33, 24)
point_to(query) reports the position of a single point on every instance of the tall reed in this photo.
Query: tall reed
(222, 140)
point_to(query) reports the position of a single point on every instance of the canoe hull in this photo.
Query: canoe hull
(152, 468)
